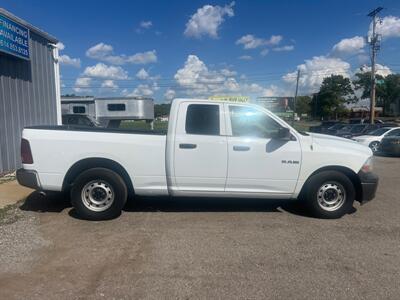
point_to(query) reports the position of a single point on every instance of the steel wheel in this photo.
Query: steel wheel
(97, 195)
(331, 196)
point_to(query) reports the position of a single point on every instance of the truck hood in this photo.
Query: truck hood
(340, 143)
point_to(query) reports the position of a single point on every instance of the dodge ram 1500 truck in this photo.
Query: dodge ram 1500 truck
(211, 149)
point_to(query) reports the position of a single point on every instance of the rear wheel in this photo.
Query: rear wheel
(99, 194)
(374, 146)
(329, 194)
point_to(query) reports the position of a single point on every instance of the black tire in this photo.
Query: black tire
(374, 146)
(334, 183)
(109, 184)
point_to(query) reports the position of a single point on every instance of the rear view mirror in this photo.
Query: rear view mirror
(283, 133)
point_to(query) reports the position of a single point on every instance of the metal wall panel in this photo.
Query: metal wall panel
(27, 97)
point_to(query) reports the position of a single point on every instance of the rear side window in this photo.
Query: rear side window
(395, 132)
(116, 107)
(202, 119)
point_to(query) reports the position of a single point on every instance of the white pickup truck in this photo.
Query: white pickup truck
(211, 149)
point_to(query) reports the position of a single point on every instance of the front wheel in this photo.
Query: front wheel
(329, 195)
(99, 194)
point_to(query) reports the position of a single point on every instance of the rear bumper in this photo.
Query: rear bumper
(369, 185)
(28, 178)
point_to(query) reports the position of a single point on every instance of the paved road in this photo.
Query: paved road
(185, 248)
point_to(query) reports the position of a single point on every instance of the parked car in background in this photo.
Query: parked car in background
(356, 130)
(335, 128)
(322, 128)
(374, 138)
(390, 144)
(79, 120)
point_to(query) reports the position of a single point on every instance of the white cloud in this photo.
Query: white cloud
(250, 41)
(142, 74)
(349, 46)
(69, 61)
(389, 27)
(60, 46)
(146, 24)
(82, 84)
(109, 84)
(264, 52)
(101, 70)
(104, 52)
(169, 94)
(245, 57)
(314, 70)
(142, 90)
(207, 20)
(284, 48)
(197, 79)
(380, 70)
(143, 58)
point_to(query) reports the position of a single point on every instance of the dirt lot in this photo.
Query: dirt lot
(204, 248)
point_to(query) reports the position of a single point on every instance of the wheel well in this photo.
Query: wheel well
(346, 171)
(99, 162)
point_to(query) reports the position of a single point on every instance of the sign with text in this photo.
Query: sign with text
(14, 38)
(242, 99)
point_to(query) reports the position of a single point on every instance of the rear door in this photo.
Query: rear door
(200, 149)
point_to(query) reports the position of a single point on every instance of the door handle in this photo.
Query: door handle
(241, 148)
(187, 146)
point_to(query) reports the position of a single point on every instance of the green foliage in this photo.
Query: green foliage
(303, 105)
(161, 110)
(335, 91)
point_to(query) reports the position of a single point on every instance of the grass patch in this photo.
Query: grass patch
(10, 213)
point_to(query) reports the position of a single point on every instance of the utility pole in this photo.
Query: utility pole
(295, 96)
(374, 42)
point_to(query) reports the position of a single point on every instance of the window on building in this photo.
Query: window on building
(116, 107)
(79, 109)
(247, 121)
(202, 119)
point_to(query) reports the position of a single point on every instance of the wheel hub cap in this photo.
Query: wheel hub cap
(331, 196)
(97, 195)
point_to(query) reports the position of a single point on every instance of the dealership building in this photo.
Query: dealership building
(29, 84)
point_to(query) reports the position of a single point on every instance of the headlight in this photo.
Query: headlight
(368, 165)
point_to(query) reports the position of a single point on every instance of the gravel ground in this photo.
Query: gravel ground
(204, 248)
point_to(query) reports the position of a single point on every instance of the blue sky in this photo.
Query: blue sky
(166, 49)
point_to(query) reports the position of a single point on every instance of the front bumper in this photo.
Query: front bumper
(28, 178)
(369, 184)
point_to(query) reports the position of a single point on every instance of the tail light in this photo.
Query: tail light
(26, 153)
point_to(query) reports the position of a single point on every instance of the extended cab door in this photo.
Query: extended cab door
(257, 162)
(200, 149)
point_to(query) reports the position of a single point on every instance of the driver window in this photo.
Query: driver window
(247, 121)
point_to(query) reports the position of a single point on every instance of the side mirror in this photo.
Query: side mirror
(283, 133)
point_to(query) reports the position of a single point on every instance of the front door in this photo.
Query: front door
(258, 163)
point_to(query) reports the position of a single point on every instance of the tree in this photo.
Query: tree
(363, 82)
(392, 89)
(161, 109)
(303, 105)
(335, 91)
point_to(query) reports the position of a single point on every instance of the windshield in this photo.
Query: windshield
(378, 132)
(357, 129)
(337, 126)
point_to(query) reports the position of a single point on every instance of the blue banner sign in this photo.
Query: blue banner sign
(14, 38)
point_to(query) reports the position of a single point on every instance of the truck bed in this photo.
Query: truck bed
(98, 129)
